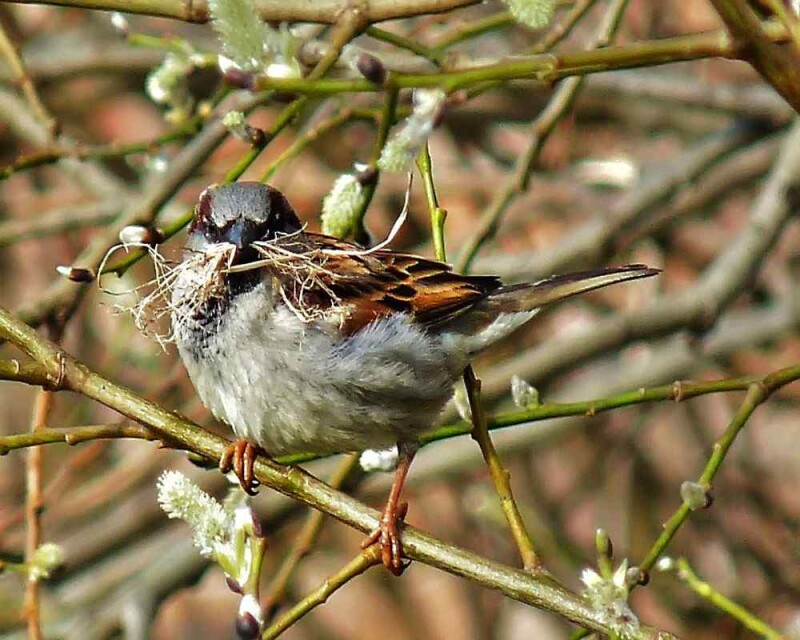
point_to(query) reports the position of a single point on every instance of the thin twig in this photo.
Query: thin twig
(33, 511)
(736, 611)
(471, 30)
(269, 10)
(534, 589)
(543, 68)
(404, 43)
(304, 542)
(437, 214)
(388, 117)
(501, 477)
(562, 27)
(370, 557)
(757, 393)
(74, 435)
(300, 143)
(95, 152)
(21, 77)
(541, 128)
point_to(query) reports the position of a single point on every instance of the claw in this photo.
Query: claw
(388, 531)
(240, 456)
(387, 534)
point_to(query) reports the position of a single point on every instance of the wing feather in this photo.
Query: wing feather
(370, 285)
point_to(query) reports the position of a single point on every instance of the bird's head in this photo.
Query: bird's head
(240, 213)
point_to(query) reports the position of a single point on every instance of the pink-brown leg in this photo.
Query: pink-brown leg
(240, 456)
(388, 532)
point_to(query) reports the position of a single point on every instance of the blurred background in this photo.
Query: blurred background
(677, 166)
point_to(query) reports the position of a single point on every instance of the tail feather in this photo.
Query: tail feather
(509, 307)
(529, 296)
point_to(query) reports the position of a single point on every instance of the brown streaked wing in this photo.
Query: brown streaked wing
(378, 284)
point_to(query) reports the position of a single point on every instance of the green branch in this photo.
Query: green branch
(66, 373)
(545, 68)
(323, 11)
(370, 557)
(706, 591)
(758, 391)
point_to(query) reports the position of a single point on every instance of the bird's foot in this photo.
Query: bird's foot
(387, 534)
(240, 457)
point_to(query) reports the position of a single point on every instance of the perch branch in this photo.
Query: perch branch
(538, 590)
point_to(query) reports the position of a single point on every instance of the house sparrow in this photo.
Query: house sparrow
(303, 342)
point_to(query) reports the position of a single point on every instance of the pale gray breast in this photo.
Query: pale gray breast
(293, 386)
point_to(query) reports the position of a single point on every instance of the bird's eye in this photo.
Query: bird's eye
(202, 221)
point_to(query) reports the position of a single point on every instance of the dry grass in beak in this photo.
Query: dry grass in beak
(201, 277)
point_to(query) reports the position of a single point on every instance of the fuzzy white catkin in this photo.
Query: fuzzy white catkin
(243, 34)
(402, 148)
(166, 83)
(379, 459)
(398, 153)
(180, 498)
(535, 14)
(609, 598)
(342, 207)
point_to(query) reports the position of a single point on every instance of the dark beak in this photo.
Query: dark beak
(242, 234)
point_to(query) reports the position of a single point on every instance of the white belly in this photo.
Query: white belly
(292, 387)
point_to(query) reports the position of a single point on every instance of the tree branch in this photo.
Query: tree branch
(325, 11)
(69, 374)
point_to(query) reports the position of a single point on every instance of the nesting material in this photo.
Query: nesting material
(299, 277)
(297, 270)
(202, 276)
(201, 273)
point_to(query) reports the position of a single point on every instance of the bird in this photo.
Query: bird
(303, 342)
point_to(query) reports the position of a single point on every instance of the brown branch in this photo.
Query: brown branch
(325, 11)
(778, 64)
(696, 308)
(534, 589)
(33, 511)
(501, 477)
(21, 77)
